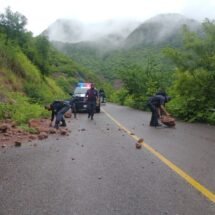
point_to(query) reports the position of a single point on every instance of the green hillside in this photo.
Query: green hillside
(143, 47)
(32, 71)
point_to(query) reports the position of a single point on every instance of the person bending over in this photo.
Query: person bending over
(156, 105)
(58, 109)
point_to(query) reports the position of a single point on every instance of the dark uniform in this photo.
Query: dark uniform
(102, 95)
(73, 102)
(59, 108)
(154, 103)
(92, 95)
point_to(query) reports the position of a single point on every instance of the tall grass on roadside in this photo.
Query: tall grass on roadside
(20, 109)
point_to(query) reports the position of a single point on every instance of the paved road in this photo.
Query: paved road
(98, 171)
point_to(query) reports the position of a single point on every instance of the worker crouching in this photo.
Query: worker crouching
(58, 109)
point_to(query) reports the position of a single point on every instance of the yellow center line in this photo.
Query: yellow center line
(207, 193)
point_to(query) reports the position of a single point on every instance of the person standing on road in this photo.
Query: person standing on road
(102, 95)
(58, 109)
(156, 105)
(73, 102)
(91, 97)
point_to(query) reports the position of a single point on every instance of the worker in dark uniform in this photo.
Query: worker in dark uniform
(73, 102)
(91, 97)
(156, 105)
(102, 95)
(58, 109)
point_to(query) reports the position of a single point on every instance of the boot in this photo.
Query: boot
(63, 123)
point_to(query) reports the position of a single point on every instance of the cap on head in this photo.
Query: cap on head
(161, 93)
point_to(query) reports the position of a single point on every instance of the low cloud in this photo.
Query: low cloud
(75, 31)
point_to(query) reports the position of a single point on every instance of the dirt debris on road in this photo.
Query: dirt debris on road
(38, 129)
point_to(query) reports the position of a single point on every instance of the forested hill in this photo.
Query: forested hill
(32, 71)
(168, 52)
(106, 55)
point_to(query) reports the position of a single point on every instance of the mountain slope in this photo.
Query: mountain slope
(146, 40)
(159, 30)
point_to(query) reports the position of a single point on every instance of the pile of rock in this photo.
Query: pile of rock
(10, 134)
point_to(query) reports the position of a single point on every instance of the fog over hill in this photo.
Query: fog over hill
(103, 56)
(113, 34)
(164, 28)
(73, 31)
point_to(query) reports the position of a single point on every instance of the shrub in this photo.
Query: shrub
(20, 109)
(119, 96)
(193, 96)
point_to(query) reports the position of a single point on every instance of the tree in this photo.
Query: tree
(194, 87)
(12, 24)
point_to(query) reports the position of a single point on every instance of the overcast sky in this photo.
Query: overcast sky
(42, 13)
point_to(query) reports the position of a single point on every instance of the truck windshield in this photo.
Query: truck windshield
(80, 90)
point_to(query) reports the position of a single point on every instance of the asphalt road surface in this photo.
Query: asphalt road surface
(97, 170)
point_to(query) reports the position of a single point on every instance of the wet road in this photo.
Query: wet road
(98, 171)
